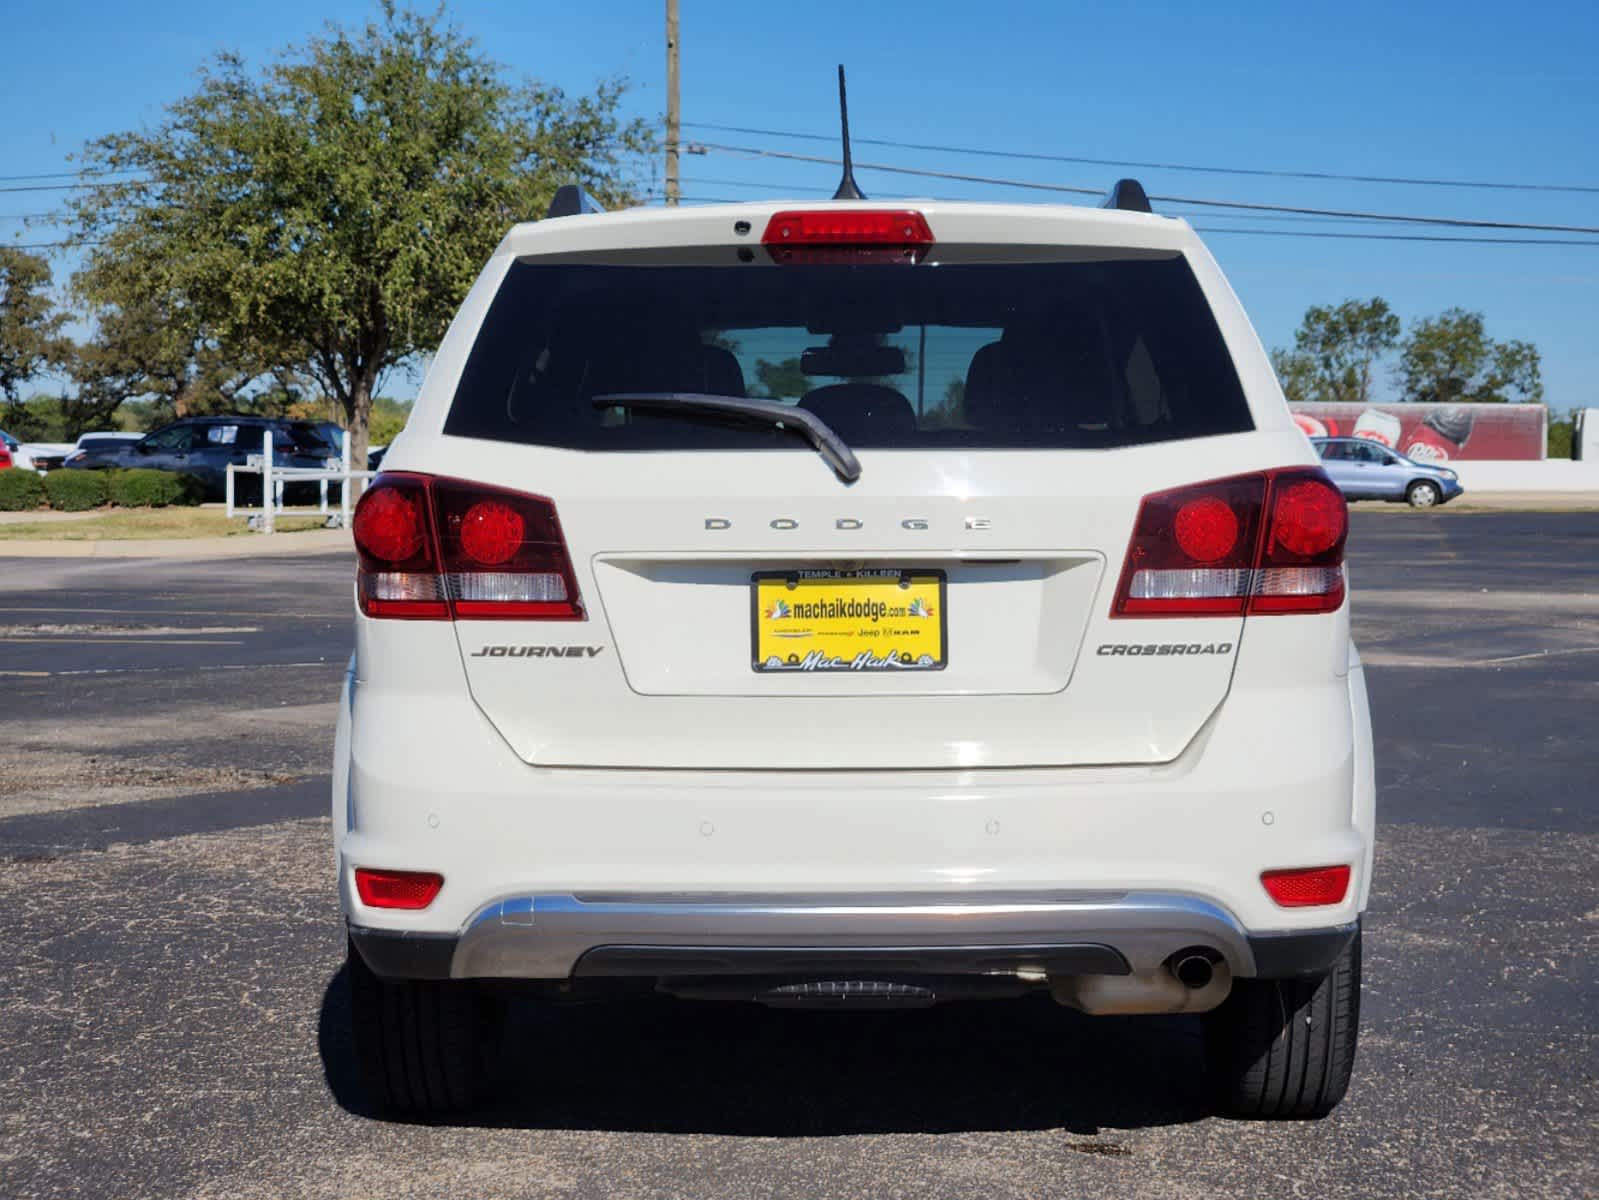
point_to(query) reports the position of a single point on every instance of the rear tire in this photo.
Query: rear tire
(1284, 1048)
(1423, 495)
(418, 1042)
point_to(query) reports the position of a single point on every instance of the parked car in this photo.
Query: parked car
(1367, 470)
(8, 448)
(204, 446)
(55, 457)
(855, 696)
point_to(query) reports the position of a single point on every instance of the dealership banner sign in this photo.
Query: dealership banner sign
(1435, 432)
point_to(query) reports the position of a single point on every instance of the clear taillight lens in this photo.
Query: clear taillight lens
(1270, 542)
(436, 549)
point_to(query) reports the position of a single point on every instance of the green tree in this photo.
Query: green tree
(30, 332)
(1297, 375)
(1562, 432)
(1335, 350)
(1450, 359)
(329, 213)
(147, 346)
(774, 380)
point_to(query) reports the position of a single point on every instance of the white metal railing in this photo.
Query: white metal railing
(274, 479)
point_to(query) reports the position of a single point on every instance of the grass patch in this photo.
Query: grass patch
(120, 525)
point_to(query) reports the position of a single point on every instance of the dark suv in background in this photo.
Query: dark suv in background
(204, 446)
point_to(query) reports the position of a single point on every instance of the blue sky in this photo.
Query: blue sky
(1455, 91)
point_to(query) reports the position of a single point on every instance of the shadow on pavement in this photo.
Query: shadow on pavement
(658, 1065)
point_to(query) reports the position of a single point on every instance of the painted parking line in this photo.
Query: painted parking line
(188, 667)
(102, 640)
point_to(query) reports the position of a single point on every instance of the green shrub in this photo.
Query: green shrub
(74, 491)
(144, 488)
(20, 490)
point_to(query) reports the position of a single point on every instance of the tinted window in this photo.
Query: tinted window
(304, 436)
(172, 438)
(1367, 452)
(1049, 354)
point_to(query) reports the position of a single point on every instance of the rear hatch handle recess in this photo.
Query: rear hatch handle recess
(767, 412)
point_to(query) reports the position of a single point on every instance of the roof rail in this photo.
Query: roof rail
(572, 201)
(1129, 196)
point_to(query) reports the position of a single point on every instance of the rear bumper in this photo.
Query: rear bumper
(1054, 934)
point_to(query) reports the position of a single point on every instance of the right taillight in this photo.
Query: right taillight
(437, 549)
(1265, 543)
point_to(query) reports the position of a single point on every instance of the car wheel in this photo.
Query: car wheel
(418, 1042)
(1284, 1048)
(1422, 494)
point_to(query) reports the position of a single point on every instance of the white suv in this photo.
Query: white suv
(855, 605)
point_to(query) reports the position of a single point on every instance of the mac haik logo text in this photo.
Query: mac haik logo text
(865, 660)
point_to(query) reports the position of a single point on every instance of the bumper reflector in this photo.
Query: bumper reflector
(1304, 887)
(397, 889)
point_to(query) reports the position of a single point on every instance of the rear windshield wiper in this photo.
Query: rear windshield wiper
(768, 412)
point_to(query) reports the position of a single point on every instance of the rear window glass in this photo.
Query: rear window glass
(1000, 355)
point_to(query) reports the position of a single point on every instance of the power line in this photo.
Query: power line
(1403, 237)
(67, 175)
(756, 152)
(783, 192)
(69, 187)
(1461, 222)
(1258, 172)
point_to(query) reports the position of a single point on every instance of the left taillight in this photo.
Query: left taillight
(437, 549)
(1267, 543)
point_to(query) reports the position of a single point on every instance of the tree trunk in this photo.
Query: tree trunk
(358, 411)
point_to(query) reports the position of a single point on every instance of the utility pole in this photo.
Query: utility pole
(674, 113)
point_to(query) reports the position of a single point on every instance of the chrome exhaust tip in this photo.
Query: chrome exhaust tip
(1193, 969)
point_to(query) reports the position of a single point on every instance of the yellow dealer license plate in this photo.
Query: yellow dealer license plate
(882, 619)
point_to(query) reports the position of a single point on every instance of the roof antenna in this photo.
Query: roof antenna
(846, 186)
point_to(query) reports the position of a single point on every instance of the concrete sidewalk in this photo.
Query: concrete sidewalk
(1500, 502)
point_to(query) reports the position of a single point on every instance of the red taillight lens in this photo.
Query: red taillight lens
(433, 549)
(1271, 542)
(1206, 529)
(847, 235)
(397, 889)
(491, 532)
(1308, 517)
(391, 525)
(1304, 887)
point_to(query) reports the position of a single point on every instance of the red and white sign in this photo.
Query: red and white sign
(1435, 432)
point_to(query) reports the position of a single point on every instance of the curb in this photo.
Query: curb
(253, 545)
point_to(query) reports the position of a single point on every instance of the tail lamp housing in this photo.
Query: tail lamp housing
(1271, 542)
(435, 549)
(1307, 887)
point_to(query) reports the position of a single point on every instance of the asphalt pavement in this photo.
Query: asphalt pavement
(173, 1009)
